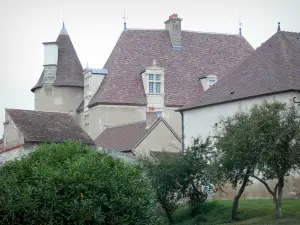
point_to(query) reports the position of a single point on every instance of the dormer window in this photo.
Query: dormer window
(211, 81)
(154, 83)
(208, 81)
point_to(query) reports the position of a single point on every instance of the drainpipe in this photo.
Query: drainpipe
(182, 131)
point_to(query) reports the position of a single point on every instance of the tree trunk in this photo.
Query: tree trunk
(236, 199)
(278, 196)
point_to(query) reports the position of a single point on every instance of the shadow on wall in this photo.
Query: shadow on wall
(291, 190)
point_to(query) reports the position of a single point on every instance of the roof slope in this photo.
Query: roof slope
(69, 69)
(273, 67)
(39, 126)
(126, 137)
(202, 54)
(122, 137)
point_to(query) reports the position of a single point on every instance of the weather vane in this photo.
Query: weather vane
(124, 18)
(240, 27)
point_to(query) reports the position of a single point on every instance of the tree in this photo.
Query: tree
(71, 183)
(178, 176)
(262, 143)
(237, 149)
(277, 129)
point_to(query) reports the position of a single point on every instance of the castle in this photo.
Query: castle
(150, 73)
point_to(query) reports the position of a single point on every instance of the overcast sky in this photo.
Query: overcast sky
(95, 25)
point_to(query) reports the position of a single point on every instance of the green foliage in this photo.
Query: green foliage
(264, 141)
(181, 176)
(252, 212)
(70, 183)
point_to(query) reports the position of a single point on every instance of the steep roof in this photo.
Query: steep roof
(69, 69)
(202, 54)
(39, 126)
(126, 137)
(274, 67)
(1, 143)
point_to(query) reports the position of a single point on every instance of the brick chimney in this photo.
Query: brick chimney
(151, 117)
(173, 25)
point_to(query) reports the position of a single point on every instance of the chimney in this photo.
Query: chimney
(50, 53)
(50, 62)
(173, 25)
(151, 117)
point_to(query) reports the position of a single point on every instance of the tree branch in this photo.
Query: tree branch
(262, 181)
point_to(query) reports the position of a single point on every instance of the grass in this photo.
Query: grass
(258, 212)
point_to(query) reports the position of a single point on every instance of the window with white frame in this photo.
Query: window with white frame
(154, 83)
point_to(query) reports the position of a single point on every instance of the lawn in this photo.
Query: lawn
(258, 212)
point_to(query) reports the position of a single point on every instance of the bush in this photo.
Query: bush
(70, 183)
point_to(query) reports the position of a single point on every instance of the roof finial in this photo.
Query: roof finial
(124, 18)
(278, 27)
(240, 27)
(154, 62)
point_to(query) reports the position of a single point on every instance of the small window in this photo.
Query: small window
(154, 83)
(211, 82)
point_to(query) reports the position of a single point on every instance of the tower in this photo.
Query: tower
(60, 86)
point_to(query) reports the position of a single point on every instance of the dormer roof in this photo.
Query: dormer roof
(69, 69)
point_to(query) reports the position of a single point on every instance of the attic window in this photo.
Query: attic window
(154, 83)
(211, 81)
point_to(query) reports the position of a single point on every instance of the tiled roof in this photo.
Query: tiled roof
(39, 126)
(126, 137)
(274, 67)
(202, 54)
(69, 69)
(122, 137)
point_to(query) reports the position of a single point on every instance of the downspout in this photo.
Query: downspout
(182, 131)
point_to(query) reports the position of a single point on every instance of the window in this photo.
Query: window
(155, 83)
(211, 82)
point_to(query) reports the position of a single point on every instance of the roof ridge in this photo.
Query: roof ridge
(125, 124)
(38, 111)
(189, 31)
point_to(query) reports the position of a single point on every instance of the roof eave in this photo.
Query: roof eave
(233, 100)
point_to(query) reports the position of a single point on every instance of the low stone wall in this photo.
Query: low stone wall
(257, 190)
(15, 152)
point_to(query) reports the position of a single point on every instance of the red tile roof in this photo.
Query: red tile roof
(202, 54)
(69, 69)
(274, 67)
(7, 149)
(39, 126)
(126, 137)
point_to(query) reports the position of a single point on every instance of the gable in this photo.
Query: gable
(160, 138)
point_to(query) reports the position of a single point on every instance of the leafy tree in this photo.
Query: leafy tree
(277, 129)
(262, 143)
(237, 149)
(179, 176)
(70, 183)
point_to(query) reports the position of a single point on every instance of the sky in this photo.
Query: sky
(95, 25)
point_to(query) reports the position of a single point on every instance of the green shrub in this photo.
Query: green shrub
(70, 183)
